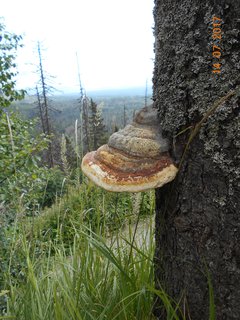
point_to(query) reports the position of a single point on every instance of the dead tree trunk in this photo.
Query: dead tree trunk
(40, 109)
(83, 112)
(85, 124)
(198, 215)
(45, 108)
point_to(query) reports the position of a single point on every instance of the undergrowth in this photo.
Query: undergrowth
(84, 258)
(72, 262)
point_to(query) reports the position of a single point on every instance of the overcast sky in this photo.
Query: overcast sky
(113, 38)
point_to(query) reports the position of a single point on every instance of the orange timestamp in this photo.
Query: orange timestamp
(216, 44)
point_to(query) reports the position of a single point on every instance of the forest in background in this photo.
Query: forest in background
(117, 110)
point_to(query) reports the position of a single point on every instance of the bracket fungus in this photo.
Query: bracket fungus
(135, 159)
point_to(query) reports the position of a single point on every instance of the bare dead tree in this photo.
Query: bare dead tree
(84, 115)
(39, 106)
(42, 92)
(86, 131)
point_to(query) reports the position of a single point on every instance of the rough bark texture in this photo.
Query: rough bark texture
(198, 215)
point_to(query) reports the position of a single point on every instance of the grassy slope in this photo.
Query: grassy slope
(72, 264)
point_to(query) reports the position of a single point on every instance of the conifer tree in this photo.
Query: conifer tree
(97, 127)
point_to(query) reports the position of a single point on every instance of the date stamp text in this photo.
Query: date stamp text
(216, 44)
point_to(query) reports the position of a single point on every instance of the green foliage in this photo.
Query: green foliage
(9, 43)
(20, 175)
(74, 261)
(56, 187)
(89, 205)
(212, 307)
(92, 280)
(97, 128)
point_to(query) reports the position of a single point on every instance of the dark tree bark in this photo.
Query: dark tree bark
(198, 215)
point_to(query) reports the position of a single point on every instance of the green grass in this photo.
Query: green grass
(94, 280)
(71, 261)
(80, 259)
(103, 212)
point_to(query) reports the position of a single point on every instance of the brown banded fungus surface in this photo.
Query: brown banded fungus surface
(135, 159)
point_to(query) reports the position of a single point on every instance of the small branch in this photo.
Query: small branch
(198, 126)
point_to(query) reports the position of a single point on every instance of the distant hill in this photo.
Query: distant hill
(121, 92)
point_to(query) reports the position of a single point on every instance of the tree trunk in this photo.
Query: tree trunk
(45, 110)
(198, 214)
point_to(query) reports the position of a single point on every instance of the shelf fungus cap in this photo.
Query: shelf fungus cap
(135, 159)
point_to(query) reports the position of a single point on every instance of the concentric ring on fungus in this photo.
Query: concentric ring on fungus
(135, 158)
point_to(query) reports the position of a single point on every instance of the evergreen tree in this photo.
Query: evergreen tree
(97, 127)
